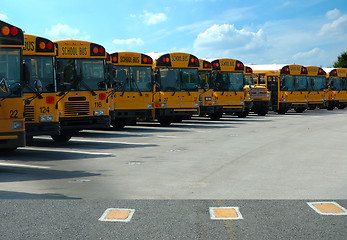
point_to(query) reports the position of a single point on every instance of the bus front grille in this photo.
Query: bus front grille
(72, 109)
(258, 93)
(29, 113)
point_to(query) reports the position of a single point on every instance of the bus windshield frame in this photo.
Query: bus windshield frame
(179, 79)
(316, 83)
(81, 74)
(10, 72)
(293, 82)
(229, 81)
(133, 78)
(42, 69)
(338, 83)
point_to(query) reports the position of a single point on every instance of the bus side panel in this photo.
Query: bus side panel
(12, 133)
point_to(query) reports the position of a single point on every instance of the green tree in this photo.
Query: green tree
(341, 61)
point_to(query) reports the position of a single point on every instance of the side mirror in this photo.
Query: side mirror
(38, 85)
(27, 73)
(15, 88)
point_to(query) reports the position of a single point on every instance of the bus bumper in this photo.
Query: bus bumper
(34, 129)
(175, 112)
(81, 123)
(12, 140)
(206, 110)
(138, 114)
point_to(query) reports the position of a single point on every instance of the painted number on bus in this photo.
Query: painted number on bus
(13, 113)
(44, 109)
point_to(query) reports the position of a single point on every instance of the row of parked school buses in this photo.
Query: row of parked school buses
(59, 87)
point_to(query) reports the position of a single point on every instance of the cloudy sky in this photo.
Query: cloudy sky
(309, 32)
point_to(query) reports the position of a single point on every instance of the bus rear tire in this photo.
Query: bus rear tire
(165, 121)
(215, 116)
(119, 123)
(62, 138)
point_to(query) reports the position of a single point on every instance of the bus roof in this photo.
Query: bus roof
(227, 64)
(35, 45)
(130, 59)
(177, 60)
(72, 48)
(10, 35)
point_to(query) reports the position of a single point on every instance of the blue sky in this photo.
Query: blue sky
(310, 32)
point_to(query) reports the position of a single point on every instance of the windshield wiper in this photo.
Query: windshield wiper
(132, 79)
(124, 86)
(88, 88)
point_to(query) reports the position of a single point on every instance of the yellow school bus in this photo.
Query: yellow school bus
(12, 134)
(81, 86)
(206, 107)
(258, 94)
(316, 84)
(41, 115)
(132, 88)
(337, 94)
(228, 84)
(288, 88)
(176, 81)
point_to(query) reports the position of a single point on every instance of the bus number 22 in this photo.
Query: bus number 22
(13, 113)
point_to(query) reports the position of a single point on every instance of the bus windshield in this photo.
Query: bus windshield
(204, 79)
(80, 74)
(178, 79)
(133, 79)
(41, 69)
(293, 83)
(10, 72)
(248, 80)
(317, 83)
(229, 81)
(338, 83)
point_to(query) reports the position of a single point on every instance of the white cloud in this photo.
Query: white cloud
(65, 31)
(315, 53)
(335, 28)
(152, 18)
(3, 17)
(333, 14)
(226, 39)
(130, 41)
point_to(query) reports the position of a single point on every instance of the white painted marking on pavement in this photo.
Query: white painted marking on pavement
(62, 150)
(22, 165)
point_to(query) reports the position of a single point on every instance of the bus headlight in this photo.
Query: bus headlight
(149, 105)
(208, 99)
(163, 105)
(285, 100)
(267, 95)
(305, 100)
(17, 125)
(46, 118)
(241, 102)
(215, 102)
(99, 112)
(196, 104)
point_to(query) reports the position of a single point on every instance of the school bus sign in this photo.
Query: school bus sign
(79, 49)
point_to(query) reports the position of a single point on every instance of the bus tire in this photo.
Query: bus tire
(300, 110)
(262, 112)
(62, 138)
(215, 116)
(119, 123)
(165, 121)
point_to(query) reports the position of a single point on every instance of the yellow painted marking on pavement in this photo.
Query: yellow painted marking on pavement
(117, 215)
(225, 213)
(328, 208)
